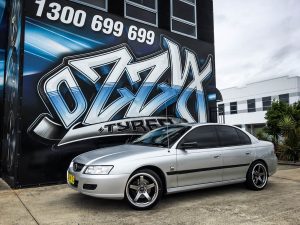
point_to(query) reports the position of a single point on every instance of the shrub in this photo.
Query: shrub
(283, 123)
(290, 147)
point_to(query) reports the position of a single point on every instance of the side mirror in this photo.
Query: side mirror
(188, 145)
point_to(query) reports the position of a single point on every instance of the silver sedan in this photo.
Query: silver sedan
(173, 159)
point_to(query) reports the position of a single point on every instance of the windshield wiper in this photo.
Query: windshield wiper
(159, 145)
(140, 143)
(148, 144)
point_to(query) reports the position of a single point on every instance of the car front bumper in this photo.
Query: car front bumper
(100, 186)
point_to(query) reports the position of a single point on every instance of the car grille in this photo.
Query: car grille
(77, 167)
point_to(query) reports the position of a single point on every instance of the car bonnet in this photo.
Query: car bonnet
(115, 152)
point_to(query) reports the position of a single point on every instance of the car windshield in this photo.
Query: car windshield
(163, 137)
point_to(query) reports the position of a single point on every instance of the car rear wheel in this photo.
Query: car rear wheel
(257, 176)
(143, 189)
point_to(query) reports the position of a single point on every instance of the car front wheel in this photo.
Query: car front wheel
(257, 176)
(143, 189)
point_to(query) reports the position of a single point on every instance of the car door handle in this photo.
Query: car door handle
(248, 153)
(217, 156)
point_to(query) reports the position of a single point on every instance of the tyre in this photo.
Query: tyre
(257, 176)
(143, 190)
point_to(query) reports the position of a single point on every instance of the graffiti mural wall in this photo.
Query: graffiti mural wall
(91, 79)
(11, 110)
(3, 44)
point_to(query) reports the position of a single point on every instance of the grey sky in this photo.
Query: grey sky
(256, 40)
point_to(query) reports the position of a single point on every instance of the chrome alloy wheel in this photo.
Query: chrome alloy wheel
(259, 175)
(142, 190)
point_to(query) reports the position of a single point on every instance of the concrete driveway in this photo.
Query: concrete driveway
(279, 203)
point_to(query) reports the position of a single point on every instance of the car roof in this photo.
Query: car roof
(203, 124)
(195, 124)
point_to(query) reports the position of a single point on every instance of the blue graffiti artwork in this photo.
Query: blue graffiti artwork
(92, 82)
(95, 116)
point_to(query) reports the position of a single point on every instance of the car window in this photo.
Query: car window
(228, 136)
(244, 138)
(163, 137)
(204, 136)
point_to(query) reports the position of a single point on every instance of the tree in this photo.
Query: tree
(296, 113)
(273, 116)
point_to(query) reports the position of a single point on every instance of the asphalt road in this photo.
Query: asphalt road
(278, 203)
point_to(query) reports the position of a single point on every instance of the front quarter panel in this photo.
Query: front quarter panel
(162, 160)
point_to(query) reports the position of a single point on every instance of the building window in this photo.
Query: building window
(251, 105)
(184, 17)
(144, 11)
(233, 107)
(97, 4)
(221, 109)
(285, 98)
(266, 102)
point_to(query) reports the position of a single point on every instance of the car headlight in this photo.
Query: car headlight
(98, 170)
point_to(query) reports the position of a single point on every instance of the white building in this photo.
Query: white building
(246, 106)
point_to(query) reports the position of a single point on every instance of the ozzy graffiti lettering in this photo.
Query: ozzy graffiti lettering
(116, 102)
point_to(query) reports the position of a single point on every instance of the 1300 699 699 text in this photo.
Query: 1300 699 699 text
(68, 15)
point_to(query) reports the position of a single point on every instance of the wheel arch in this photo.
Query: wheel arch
(262, 161)
(158, 171)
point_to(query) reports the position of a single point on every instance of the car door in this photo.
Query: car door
(237, 152)
(200, 162)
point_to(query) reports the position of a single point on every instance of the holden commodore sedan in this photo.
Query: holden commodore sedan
(173, 159)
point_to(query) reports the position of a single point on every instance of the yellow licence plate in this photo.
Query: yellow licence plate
(71, 178)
